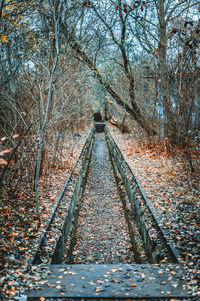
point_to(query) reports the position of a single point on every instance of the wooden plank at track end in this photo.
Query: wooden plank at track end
(114, 281)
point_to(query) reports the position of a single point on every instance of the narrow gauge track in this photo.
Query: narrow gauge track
(157, 242)
(117, 209)
(57, 226)
(117, 223)
(103, 216)
(102, 235)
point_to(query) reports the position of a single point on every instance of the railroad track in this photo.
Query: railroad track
(59, 222)
(155, 273)
(157, 242)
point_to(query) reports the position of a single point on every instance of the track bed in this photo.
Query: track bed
(112, 246)
(102, 234)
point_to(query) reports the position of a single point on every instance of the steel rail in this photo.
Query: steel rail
(32, 257)
(173, 252)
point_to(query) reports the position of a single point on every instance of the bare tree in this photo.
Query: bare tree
(131, 106)
(57, 13)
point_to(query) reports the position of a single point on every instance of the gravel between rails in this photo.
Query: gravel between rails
(102, 235)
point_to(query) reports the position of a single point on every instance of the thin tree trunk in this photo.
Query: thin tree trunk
(57, 9)
(41, 137)
(1, 10)
(162, 55)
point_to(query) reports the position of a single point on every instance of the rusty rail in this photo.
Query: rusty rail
(33, 259)
(140, 204)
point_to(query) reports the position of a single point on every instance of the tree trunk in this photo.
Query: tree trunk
(162, 62)
(134, 111)
(120, 124)
(56, 14)
(41, 137)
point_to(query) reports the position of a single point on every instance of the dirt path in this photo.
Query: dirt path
(102, 235)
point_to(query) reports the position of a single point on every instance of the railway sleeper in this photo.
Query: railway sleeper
(113, 282)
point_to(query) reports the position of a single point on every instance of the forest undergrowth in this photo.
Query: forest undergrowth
(19, 223)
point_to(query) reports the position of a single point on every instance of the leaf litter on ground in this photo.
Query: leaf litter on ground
(175, 196)
(174, 193)
(21, 228)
